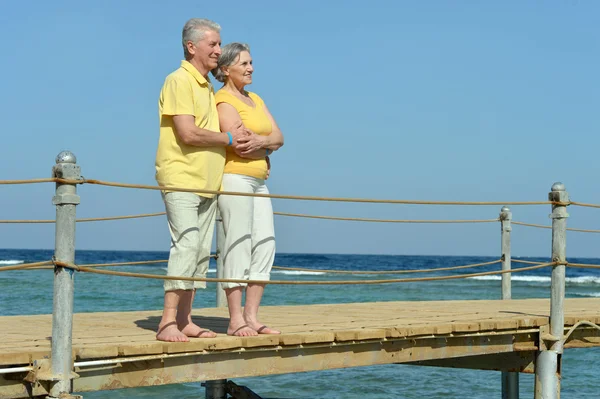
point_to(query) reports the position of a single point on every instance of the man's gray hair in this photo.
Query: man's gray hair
(194, 30)
(229, 55)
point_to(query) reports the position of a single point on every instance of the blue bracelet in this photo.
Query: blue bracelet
(230, 138)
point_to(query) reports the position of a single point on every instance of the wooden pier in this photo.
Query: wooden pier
(55, 355)
(118, 350)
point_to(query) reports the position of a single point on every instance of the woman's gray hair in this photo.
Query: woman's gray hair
(229, 55)
(194, 30)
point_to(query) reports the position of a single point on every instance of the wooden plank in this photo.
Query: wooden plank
(106, 334)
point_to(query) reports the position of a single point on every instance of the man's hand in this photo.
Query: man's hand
(248, 144)
(238, 131)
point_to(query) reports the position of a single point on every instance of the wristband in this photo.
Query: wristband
(230, 138)
(269, 152)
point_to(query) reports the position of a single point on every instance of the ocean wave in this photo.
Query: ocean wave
(542, 279)
(588, 295)
(298, 272)
(289, 272)
(11, 262)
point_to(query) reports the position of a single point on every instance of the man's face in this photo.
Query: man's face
(207, 51)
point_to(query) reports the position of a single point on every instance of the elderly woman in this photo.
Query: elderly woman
(248, 221)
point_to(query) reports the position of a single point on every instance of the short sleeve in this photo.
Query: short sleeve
(177, 97)
(223, 97)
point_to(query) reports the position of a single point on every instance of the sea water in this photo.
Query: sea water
(30, 292)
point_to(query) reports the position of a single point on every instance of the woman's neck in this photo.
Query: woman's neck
(231, 87)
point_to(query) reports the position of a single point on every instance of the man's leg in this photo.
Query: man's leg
(182, 215)
(206, 223)
(167, 328)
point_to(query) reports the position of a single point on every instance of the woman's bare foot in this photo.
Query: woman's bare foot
(194, 331)
(257, 326)
(170, 333)
(262, 329)
(267, 330)
(242, 330)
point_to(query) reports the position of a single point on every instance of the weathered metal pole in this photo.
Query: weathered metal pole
(505, 218)
(547, 365)
(66, 199)
(217, 389)
(510, 380)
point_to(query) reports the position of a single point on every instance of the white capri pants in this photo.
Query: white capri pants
(249, 249)
(191, 224)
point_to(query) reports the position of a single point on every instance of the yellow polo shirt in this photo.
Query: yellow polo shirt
(187, 92)
(255, 119)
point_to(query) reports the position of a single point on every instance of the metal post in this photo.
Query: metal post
(510, 380)
(547, 366)
(216, 389)
(66, 199)
(505, 218)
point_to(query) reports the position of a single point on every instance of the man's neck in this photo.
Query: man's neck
(201, 68)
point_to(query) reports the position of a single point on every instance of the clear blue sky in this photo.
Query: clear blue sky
(437, 100)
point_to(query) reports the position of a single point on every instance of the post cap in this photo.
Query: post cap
(505, 209)
(558, 186)
(66, 157)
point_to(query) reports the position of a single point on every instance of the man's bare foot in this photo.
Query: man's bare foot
(194, 331)
(241, 331)
(170, 333)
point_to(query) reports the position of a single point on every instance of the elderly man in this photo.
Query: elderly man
(191, 154)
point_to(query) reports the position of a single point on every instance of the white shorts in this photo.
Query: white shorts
(191, 224)
(249, 249)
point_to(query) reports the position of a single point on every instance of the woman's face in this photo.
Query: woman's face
(241, 71)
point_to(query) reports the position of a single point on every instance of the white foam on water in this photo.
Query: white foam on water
(543, 279)
(584, 280)
(298, 272)
(289, 272)
(11, 262)
(537, 279)
(592, 295)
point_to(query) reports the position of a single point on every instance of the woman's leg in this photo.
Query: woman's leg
(263, 255)
(236, 212)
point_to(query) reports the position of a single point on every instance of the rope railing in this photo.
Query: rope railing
(585, 205)
(527, 262)
(23, 266)
(308, 198)
(97, 219)
(29, 181)
(567, 264)
(290, 282)
(408, 271)
(48, 264)
(299, 215)
(541, 226)
(297, 197)
(145, 215)
(45, 265)
(583, 265)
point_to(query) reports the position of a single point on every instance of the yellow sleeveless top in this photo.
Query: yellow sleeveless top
(255, 119)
